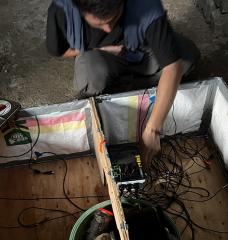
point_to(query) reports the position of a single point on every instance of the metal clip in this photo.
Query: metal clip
(124, 226)
(103, 98)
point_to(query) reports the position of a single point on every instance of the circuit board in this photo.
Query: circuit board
(127, 168)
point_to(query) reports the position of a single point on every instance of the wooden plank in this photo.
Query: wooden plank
(82, 180)
(98, 139)
(212, 214)
(105, 166)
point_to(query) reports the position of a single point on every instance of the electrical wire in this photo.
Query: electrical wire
(43, 221)
(64, 177)
(31, 225)
(51, 198)
(168, 182)
(140, 125)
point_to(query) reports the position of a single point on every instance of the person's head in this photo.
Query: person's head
(102, 14)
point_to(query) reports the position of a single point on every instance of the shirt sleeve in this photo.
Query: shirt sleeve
(56, 39)
(160, 37)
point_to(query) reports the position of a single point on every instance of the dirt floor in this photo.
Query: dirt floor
(30, 76)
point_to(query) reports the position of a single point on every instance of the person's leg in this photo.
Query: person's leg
(96, 71)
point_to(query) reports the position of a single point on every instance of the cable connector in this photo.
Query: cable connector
(38, 154)
(207, 163)
(152, 99)
(49, 172)
(124, 226)
(34, 158)
(37, 171)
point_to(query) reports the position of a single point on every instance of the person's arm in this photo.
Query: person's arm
(166, 91)
(160, 38)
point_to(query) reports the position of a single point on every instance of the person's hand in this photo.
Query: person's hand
(71, 53)
(116, 50)
(151, 144)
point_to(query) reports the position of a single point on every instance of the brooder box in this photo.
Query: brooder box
(88, 126)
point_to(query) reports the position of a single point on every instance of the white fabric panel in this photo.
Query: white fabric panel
(219, 124)
(60, 133)
(115, 120)
(186, 111)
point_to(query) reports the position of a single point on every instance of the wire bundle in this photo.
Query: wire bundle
(168, 178)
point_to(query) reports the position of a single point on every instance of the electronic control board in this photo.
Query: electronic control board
(127, 168)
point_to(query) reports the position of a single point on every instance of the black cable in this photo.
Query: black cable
(9, 227)
(175, 123)
(50, 198)
(43, 221)
(167, 181)
(186, 218)
(31, 225)
(195, 224)
(208, 229)
(64, 178)
(205, 200)
(64, 190)
(139, 119)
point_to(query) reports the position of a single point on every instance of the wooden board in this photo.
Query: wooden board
(212, 214)
(82, 180)
(105, 166)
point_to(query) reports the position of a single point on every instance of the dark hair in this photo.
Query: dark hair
(102, 9)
